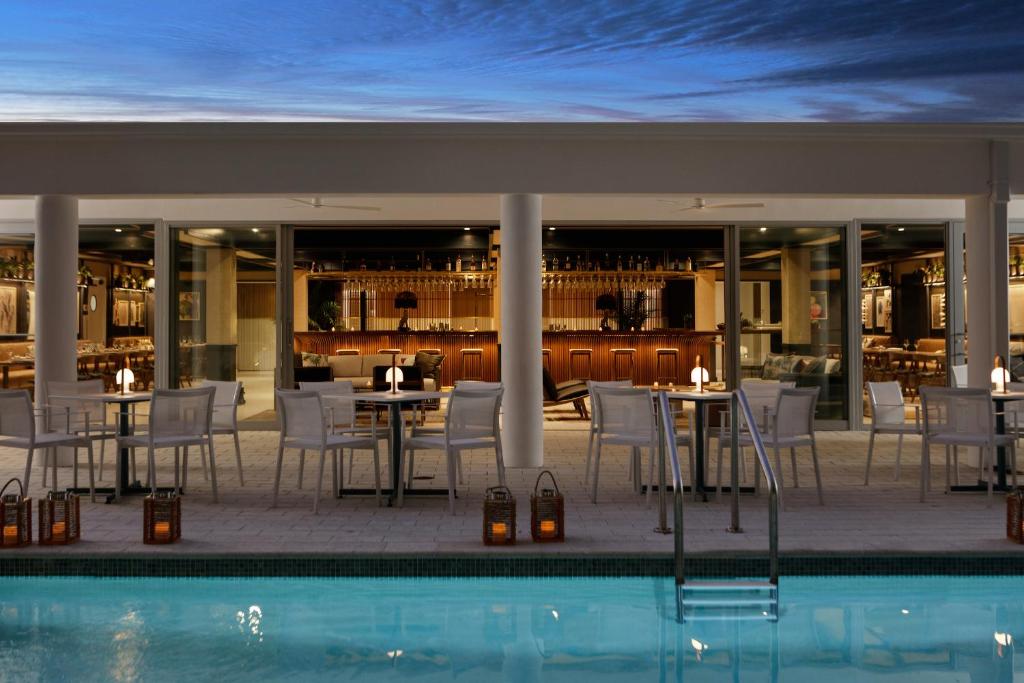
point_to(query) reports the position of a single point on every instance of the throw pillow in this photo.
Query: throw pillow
(314, 360)
(428, 363)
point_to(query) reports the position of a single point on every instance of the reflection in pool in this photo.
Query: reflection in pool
(581, 630)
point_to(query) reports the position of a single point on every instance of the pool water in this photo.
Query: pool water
(580, 630)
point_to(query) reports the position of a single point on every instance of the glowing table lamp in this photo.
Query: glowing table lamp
(1000, 375)
(699, 375)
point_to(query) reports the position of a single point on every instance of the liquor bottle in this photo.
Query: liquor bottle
(568, 262)
(391, 266)
(362, 264)
(618, 264)
(448, 264)
(689, 265)
(543, 263)
(458, 263)
(429, 264)
(472, 263)
(579, 263)
(554, 263)
(630, 265)
(647, 264)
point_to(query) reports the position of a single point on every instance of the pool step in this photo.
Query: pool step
(729, 601)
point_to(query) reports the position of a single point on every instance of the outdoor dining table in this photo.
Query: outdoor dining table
(699, 398)
(124, 428)
(395, 400)
(1000, 398)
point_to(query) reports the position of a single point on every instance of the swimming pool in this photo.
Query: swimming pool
(583, 630)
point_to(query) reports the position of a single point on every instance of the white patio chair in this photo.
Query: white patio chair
(960, 376)
(791, 426)
(626, 418)
(345, 416)
(306, 424)
(595, 420)
(84, 410)
(178, 419)
(225, 416)
(962, 417)
(1014, 412)
(18, 429)
(472, 421)
(889, 416)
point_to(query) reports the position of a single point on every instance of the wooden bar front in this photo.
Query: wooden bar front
(689, 343)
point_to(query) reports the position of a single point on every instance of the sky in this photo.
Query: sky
(530, 60)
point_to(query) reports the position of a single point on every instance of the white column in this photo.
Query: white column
(523, 425)
(56, 299)
(987, 259)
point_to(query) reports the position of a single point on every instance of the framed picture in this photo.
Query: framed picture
(819, 305)
(136, 313)
(867, 310)
(883, 310)
(937, 310)
(8, 310)
(1016, 309)
(122, 313)
(188, 305)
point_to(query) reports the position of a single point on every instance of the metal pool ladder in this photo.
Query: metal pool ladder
(725, 600)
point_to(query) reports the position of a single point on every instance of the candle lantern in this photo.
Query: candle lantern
(15, 517)
(699, 375)
(547, 512)
(59, 518)
(1015, 516)
(161, 518)
(499, 516)
(1000, 375)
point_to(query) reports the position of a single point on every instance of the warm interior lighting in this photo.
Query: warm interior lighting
(466, 229)
(118, 230)
(763, 229)
(1000, 375)
(255, 229)
(551, 229)
(699, 375)
(394, 377)
(125, 378)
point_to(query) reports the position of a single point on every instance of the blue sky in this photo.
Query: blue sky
(465, 60)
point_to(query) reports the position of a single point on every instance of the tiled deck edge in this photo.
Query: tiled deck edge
(469, 565)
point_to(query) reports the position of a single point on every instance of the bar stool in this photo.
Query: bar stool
(545, 359)
(394, 352)
(617, 356)
(467, 355)
(663, 356)
(346, 352)
(582, 357)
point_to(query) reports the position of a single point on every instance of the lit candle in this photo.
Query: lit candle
(498, 529)
(57, 530)
(10, 534)
(547, 527)
(162, 530)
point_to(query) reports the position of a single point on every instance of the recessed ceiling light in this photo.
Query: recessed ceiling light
(466, 229)
(763, 228)
(551, 229)
(900, 229)
(255, 229)
(118, 230)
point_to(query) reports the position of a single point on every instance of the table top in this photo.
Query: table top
(127, 397)
(404, 396)
(1008, 396)
(694, 395)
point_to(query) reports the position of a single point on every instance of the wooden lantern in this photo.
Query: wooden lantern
(15, 517)
(547, 512)
(499, 517)
(1015, 516)
(161, 518)
(59, 518)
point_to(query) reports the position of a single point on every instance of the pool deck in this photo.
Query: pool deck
(884, 518)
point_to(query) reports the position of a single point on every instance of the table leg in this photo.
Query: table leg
(698, 451)
(124, 429)
(395, 424)
(1001, 451)
(7, 376)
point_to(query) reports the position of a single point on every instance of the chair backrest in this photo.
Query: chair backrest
(886, 400)
(473, 413)
(958, 411)
(301, 414)
(626, 411)
(181, 412)
(762, 395)
(595, 405)
(476, 384)
(225, 393)
(1015, 407)
(77, 408)
(16, 414)
(960, 376)
(339, 397)
(794, 411)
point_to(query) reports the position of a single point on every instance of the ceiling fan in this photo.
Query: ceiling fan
(699, 204)
(318, 203)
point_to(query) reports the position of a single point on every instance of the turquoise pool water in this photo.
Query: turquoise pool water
(580, 630)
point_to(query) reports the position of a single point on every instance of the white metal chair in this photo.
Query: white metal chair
(18, 430)
(84, 410)
(225, 415)
(178, 419)
(337, 396)
(306, 424)
(1014, 412)
(889, 416)
(472, 421)
(791, 426)
(626, 418)
(960, 376)
(595, 419)
(962, 417)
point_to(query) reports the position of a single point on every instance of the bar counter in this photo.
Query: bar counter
(690, 343)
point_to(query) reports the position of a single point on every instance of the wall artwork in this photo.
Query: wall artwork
(8, 310)
(188, 305)
(122, 313)
(937, 310)
(31, 312)
(867, 310)
(819, 305)
(883, 310)
(137, 313)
